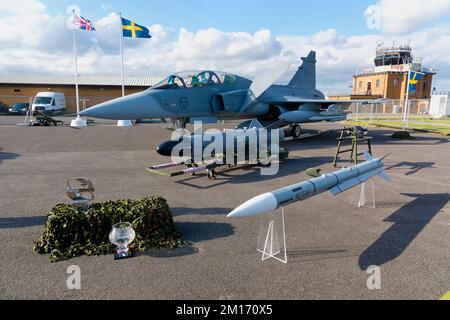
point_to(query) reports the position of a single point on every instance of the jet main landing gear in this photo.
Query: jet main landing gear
(296, 131)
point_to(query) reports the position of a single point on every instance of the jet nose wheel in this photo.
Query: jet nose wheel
(296, 131)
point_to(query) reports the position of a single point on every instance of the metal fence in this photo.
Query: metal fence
(420, 114)
(389, 109)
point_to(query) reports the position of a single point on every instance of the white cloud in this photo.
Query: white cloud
(24, 12)
(400, 16)
(212, 45)
(43, 45)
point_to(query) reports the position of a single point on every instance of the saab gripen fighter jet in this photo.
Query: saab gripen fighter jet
(210, 96)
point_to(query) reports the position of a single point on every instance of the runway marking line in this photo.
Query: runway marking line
(446, 296)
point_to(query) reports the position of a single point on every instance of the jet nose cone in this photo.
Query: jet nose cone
(166, 148)
(135, 106)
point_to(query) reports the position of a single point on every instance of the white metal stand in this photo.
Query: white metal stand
(28, 115)
(367, 187)
(124, 123)
(78, 122)
(269, 240)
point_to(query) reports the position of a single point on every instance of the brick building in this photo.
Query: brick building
(389, 78)
(92, 89)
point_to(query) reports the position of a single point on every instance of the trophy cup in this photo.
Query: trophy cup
(122, 235)
(81, 191)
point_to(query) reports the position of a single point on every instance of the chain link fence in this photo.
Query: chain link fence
(391, 113)
(389, 110)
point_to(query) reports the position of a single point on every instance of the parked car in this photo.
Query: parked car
(3, 108)
(19, 108)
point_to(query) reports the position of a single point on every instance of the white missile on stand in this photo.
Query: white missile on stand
(336, 182)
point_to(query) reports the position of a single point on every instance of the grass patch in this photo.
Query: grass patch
(435, 125)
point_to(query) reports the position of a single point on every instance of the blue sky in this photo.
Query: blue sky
(288, 17)
(245, 37)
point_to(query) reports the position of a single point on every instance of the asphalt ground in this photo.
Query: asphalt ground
(330, 242)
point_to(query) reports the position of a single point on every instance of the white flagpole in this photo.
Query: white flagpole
(78, 122)
(122, 123)
(76, 65)
(406, 107)
(121, 55)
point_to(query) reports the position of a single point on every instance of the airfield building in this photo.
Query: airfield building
(92, 89)
(388, 79)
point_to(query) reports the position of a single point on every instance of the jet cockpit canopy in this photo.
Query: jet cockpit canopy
(193, 79)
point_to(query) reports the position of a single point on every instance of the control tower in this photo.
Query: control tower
(389, 78)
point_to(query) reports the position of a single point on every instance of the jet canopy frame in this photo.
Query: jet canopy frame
(196, 78)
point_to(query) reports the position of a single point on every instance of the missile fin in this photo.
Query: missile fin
(367, 156)
(344, 186)
(335, 191)
(385, 176)
(366, 176)
(348, 184)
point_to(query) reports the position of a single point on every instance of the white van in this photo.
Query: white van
(49, 102)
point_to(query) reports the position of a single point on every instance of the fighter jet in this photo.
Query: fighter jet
(210, 96)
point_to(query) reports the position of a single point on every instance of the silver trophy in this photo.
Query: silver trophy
(81, 191)
(122, 235)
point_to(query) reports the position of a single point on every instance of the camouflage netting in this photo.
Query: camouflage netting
(405, 135)
(70, 232)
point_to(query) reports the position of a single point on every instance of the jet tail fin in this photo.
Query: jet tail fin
(305, 77)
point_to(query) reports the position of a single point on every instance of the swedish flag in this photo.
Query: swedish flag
(414, 78)
(132, 30)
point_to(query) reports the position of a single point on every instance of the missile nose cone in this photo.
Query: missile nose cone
(165, 148)
(262, 204)
(135, 106)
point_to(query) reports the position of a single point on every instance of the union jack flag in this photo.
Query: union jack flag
(82, 23)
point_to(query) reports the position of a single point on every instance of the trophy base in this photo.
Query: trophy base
(123, 255)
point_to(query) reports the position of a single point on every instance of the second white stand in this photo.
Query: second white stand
(272, 237)
(367, 194)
